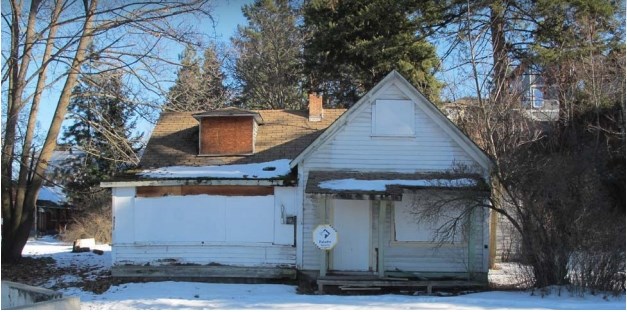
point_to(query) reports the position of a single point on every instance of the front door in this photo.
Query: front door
(351, 219)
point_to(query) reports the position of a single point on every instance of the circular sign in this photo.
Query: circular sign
(325, 237)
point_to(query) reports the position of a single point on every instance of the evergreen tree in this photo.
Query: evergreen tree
(101, 132)
(213, 89)
(353, 44)
(198, 87)
(269, 64)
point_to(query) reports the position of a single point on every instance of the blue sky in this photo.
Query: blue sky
(227, 14)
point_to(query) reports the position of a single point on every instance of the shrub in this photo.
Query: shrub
(94, 221)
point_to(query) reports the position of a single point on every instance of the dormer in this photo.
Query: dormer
(227, 132)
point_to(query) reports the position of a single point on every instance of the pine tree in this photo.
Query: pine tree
(198, 88)
(101, 132)
(353, 44)
(269, 64)
(213, 89)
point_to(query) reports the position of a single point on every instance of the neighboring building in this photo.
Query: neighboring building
(239, 193)
(539, 100)
(53, 212)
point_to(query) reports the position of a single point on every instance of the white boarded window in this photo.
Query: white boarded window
(210, 219)
(409, 227)
(393, 118)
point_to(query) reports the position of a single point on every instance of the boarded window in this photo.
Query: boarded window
(411, 226)
(202, 218)
(393, 118)
(227, 135)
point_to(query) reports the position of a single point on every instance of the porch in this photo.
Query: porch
(382, 244)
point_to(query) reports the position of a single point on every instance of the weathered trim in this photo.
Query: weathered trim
(198, 181)
(357, 196)
(202, 271)
(223, 190)
(382, 205)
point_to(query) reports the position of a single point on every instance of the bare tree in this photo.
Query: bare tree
(547, 182)
(57, 34)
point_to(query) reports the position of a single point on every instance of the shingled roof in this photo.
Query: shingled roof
(283, 135)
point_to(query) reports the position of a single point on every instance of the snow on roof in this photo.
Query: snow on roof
(265, 170)
(381, 185)
(53, 194)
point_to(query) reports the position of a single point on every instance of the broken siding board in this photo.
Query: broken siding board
(222, 190)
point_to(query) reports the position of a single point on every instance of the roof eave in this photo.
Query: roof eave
(195, 181)
(256, 116)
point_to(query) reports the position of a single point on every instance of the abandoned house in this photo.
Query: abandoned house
(239, 193)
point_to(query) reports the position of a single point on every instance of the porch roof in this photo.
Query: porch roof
(390, 185)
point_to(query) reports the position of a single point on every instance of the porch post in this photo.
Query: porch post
(471, 244)
(324, 254)
(381, 233)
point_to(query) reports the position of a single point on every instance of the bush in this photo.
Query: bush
(95, 224)
(94, 221)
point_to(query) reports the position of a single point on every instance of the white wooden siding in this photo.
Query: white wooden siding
(237, 255)
(123, 215)
(425, 257)
(507, 241)
(428, 257)
(354, 148)
(313, 205)
(203, 229)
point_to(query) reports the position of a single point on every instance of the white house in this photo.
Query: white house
(238, 193)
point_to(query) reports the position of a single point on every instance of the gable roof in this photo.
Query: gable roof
(283, 135)
(420, 101)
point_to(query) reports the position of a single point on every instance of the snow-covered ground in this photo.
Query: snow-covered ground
(187, 295)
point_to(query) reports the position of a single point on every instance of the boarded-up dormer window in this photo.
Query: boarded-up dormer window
(227, 132)
(393, 118)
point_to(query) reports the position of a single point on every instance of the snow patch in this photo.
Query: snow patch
(380, 185)
(266, 170)
(196, 296)
(54, 194)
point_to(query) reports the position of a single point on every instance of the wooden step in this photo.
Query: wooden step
(359, 288)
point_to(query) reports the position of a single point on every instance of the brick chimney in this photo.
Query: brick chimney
(316, 112)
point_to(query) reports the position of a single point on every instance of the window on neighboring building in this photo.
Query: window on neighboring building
(538, 98)
(393, 118)
(411, 227)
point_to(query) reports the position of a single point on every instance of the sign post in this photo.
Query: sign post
(325, 237)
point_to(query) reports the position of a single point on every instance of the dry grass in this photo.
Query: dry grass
(94, 224)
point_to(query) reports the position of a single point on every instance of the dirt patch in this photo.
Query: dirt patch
(43, 272)
(31, 271)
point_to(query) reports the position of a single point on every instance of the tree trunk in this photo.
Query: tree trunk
(13, 214)
(14, 237)
(499, 50)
